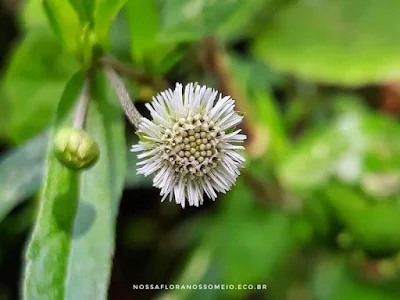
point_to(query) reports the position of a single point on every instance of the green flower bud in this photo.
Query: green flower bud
(75, 149)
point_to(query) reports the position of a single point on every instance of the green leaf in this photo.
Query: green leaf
(243, 228)
(21, 173)
(32, 87)
(346, 42)
(32, 14)
(70, 252)
(143, 22)
(379, 236)
(84, 8)
(65, 23)
(333, 280)
(146, 47)
(184, 20)
(243, 19)
(104, 14)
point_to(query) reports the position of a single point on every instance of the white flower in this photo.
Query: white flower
(191, 144)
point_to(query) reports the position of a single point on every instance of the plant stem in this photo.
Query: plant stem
(82, 104)
(125, 100)
(135, 74)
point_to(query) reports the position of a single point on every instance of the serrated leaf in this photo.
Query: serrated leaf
(70, 252)
(21, 173)
(32, 87)
(104, 14)
(345, 42)
(64, 22)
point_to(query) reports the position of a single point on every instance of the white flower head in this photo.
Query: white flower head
(191, 144)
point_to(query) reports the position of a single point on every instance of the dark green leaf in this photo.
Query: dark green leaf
(21, 173)
(70, 252)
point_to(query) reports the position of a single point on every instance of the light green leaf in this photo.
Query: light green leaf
(104, 14)
(184, 20)
(146, 47)
(32, 14)
(143, 23)
(243, 19)
(32, 87)
(346, 42)
(70, 252)
(333, 280)
(84, 8)
(65, 23)
(21, 173)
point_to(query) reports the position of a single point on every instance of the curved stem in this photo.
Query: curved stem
(125, 100)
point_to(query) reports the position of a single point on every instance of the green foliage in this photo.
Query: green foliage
(250, 242)
(190, 20)
(346, 42)
(104, 13)
(21, 171)
(33, 86)
(146, 47)
(323, 159)
(263, 109)
(344, 149)
(69, 254)
(84, 8)
(64, 22)
(333, 279)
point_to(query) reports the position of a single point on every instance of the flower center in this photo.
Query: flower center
(192, 145)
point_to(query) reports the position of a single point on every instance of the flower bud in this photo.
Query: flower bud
(75, 149)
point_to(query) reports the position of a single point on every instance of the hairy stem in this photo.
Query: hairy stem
(125, 100)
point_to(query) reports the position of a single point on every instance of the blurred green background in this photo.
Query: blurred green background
(315, 213)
